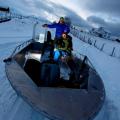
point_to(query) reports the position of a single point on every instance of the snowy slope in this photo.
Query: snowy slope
(108, 68)
(16, 31)
(111, 48)
(12, 107)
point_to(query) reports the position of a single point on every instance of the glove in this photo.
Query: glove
(44, 25)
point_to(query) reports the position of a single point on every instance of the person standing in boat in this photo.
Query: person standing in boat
(63, 47)
(61, 27)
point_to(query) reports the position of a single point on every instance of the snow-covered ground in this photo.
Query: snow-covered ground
(12, 107)
(108, 68)
(109, 47)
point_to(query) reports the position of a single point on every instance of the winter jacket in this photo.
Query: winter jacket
(60, 28)
(65, 45)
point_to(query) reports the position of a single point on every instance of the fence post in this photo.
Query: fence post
(89, 41)
(95, 43)
(102, 47)
(113, 51)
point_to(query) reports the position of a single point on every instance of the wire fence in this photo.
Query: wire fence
(112, 50)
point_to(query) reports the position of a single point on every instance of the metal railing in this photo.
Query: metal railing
(20, 47)
(82, 57)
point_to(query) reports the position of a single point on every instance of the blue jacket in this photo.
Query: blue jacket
(60, 28)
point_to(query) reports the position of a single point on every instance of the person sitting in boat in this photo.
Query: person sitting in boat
(60, 28)
(63, 47)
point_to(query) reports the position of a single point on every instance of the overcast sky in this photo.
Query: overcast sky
(97, 13)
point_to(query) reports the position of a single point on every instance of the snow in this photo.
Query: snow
(12, 106)
(108, 68)
(107, 46)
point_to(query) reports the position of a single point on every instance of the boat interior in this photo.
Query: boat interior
(63, 90)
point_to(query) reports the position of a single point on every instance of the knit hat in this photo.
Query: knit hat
(62, 18)
(64, 33)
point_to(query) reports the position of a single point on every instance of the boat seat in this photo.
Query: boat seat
(36, 47)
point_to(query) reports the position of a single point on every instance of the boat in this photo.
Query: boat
(71, 90)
